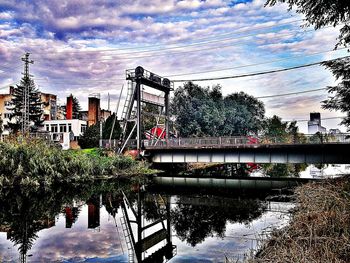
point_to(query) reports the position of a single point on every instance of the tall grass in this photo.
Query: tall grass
(35, 162)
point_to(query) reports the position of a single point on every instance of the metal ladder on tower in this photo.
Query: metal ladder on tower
(129, 103)
(127, 235)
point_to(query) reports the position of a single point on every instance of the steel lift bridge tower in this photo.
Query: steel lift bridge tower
(136, 98)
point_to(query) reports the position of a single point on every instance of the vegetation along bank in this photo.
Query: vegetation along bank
(35, 162)
(319, 230)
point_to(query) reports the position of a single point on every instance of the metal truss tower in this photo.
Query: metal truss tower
(26, 94)
(132, 111)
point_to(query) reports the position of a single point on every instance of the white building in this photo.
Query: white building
(65, 131)
(314, 124)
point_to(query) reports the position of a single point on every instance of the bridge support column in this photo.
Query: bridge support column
(166, 102)
(139, 120)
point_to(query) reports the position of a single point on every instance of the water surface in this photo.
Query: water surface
(89, 223)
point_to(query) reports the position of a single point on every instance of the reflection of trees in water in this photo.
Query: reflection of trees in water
(194, 222)
(283, 169)
(24, 212)
(154, 206)
(245, 169)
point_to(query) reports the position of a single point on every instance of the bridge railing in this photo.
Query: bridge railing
(235, 140)
(247, 140)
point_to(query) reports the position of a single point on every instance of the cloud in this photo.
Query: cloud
(84, 47)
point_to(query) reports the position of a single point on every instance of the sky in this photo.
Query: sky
(85, 46)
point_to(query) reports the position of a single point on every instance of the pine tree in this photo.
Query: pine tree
(76, 108)
(20, 109)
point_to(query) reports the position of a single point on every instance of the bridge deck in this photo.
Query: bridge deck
(337, 153)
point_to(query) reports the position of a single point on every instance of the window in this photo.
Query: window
(7, 115)
(47, 127)
(63, 128)
(83, 128)
(54, 128)
(69, 127)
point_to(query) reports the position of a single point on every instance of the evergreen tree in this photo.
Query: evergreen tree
(90, 137)
(107, 128)
(35, 110)
(76, 108)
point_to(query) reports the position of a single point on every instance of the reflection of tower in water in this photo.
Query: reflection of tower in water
(71, 215)
(147, 242)
(93, 212)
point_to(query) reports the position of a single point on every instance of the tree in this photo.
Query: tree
(205, 112)
(282, 132)
(17, 108)
(1, 128)
(275, 129)
(340, 101)
(76, 108)
(321, 13)
(90, 137)
(244, 115)
(107, 128)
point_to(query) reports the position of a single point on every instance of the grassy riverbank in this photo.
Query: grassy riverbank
(35, 162)
(319, 230)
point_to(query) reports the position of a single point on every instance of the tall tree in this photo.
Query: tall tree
(107, 128)
(90, 137)
(205, 112)
(321, 13)
(244, 115)
(341, 99)
(17, 108)
(76, 108)
(275, 130)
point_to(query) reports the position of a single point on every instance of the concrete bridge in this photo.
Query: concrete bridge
(332, 150)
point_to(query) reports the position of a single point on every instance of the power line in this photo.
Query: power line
(329, 118)
(289, 94)
(257, 73)
(256, 64)
(207, 71)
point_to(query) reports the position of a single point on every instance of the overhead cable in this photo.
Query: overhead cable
(257, 73)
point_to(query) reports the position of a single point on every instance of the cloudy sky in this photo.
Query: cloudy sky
(85, 46)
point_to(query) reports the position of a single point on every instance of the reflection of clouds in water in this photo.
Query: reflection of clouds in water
(326, 171)
(78, 243)
(7, 250)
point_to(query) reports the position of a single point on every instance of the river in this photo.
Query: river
(94, 221)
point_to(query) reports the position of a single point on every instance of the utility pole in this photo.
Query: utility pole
(26, 97)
